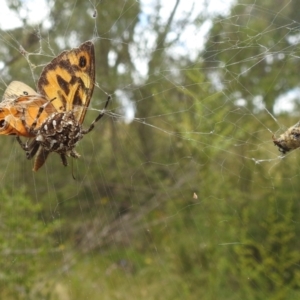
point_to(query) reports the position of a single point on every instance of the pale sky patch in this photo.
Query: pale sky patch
(35, 12)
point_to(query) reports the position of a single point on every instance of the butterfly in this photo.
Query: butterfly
(52, 117)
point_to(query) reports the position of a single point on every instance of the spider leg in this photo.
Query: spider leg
(24, 123)
(74, 154)
(24, 146)
(98, 118)
(64, 159)
(33, 125)
(41, 109)
(33, 147)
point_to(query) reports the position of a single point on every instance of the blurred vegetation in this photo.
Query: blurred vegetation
(129, 227)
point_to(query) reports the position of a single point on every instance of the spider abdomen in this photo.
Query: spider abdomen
(60, 133)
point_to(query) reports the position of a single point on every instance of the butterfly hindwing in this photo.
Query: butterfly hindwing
(11, 117)
(16, 89)
(21, 101)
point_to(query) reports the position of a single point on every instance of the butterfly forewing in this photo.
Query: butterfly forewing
(69, 80)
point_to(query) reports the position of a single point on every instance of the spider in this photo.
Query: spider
(59, 133)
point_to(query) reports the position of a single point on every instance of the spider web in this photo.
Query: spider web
(180, 192)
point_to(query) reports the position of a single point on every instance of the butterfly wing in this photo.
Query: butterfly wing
(10, 111)
(21, 101)
(69, 80)
(16, 89)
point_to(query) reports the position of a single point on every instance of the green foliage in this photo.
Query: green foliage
(260, 66)
(267, 254)
(128, 227)
(25, 240)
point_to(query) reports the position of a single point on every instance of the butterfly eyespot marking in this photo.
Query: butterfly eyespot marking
(2, 123)
(82, 61)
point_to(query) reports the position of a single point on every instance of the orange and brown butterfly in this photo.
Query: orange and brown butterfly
(17, 97)
(52, 117)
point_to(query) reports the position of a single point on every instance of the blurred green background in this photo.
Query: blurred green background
(180, 192)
